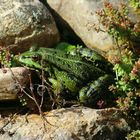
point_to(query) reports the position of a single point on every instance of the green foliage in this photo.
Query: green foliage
(135, 4)
(127, 69)
(6, 58)
(118, 24)
(135, 135)
(22, 100)
(123, 72)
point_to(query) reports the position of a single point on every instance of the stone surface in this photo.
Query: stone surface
(81, 16)
(67, 124)
(25, 23)
(11, 79)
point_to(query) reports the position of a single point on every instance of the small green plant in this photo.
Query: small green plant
(135, 135)
(135, 4)
(127, 69)
(118, 24)
(6, 58)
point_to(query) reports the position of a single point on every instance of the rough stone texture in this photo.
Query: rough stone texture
(10, 81)
(24, 23)
(67, 124)
(81, 16)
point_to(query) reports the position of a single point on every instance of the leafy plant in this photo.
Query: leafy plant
(118, 24)
(127, 69)
(135, 4)
(135, 135)
(6, 58)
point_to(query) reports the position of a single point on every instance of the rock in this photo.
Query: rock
(11, 79)
(79, 123)
(23, 24)
(81, 16)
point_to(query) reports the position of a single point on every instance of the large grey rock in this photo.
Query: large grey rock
(81, 16)
(24, 23)
(67, 124)
(11, 82)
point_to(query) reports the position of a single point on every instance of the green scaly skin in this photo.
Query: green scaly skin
(70, 70)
